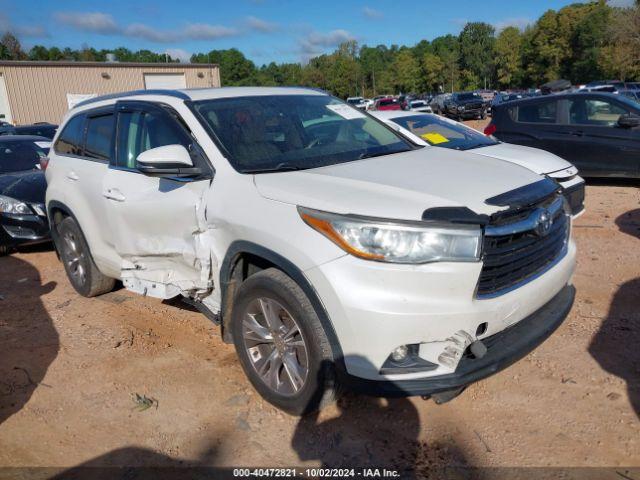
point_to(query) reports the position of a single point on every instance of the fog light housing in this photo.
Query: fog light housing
(400, 353)
(405, 359)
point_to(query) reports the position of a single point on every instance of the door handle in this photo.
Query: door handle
(114, 194)
(73, 176)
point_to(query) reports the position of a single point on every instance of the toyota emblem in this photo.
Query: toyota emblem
(544, 223)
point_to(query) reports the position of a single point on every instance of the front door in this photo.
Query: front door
(157, 223)
(595, 143)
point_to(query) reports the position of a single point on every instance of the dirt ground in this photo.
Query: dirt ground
(70, 368)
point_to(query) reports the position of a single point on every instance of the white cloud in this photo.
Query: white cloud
(95, 22)
(372, 13)
(22, 31)
(259, 25)
(140, 30)
(518, 22)
(204, 31)
(316, 43)
(179, 53)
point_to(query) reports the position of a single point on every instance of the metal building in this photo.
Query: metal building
(43, 91)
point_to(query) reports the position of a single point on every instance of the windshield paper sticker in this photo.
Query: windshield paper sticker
(345, 111)
(43, 144)
(434, 138)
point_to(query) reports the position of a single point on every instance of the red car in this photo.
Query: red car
(388, 104)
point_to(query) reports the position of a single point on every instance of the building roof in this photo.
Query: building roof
(65, 63)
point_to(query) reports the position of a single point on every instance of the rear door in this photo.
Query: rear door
(596, 144)
(157, 223)
(83, 150)
(533, 124)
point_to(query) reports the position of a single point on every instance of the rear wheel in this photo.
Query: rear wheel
(78, 263)
(281, 343)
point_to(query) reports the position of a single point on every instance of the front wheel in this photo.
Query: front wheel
(281, 343)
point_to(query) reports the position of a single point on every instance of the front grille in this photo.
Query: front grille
(514, 253)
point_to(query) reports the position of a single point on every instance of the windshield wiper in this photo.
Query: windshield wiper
(281, 167)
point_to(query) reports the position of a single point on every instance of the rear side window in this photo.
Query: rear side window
(544, 112)
(70, 140)
(99, 134)
(139, 131)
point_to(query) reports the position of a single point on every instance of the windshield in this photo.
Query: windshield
(18, 155)
(442, 132)
(419, 103)
(278, 132)
(468, 96)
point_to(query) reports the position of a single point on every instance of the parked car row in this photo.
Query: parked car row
(38, 129)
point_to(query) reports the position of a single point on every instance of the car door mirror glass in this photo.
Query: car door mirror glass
(629, 121)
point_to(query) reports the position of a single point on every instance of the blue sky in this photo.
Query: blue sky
(265, 30)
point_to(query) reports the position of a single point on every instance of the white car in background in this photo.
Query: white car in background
(433, 130)
(419, 106)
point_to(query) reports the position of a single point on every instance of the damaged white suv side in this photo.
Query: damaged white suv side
(332, 251)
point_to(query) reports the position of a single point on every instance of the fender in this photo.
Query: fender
(239, 247)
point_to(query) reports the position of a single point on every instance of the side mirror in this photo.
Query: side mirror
(629, 120)
(167, 161)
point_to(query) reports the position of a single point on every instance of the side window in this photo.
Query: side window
(99, 135)
(139, 131)
(539, 112)
(584, 111)
(70, 140)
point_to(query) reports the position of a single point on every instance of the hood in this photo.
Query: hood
(399, 186)
(536, 160)
(29, 186)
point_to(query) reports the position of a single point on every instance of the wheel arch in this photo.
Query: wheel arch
(234, 268)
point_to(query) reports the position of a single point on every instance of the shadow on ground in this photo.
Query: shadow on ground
(29, 342)
(629, 223)
(616, 346)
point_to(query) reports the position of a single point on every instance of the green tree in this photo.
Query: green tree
(508, 57)
(477, 51)
(406, 71)
(10, 48)
(235, 68)
(38, 52)
(433, 71)
(447, 48)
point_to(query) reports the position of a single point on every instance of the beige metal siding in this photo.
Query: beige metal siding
(38, 92)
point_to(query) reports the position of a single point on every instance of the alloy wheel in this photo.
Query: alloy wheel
(275, 346)
(74, 258)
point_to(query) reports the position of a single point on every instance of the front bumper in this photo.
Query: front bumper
(23, 229)
(503, 349)
(375, 308)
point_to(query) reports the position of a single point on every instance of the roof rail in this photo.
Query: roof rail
(111, 96)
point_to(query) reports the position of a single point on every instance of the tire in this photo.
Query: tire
(311, 385)
(4, 250)
(483, 115)
(76, 257)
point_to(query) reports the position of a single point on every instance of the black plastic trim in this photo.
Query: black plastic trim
(504, 349)
(240, 247)
(526, 195)
(462, 215)
(112, 96)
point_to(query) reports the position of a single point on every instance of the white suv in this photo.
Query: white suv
(332, 251)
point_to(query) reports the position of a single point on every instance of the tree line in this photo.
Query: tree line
(580, 42)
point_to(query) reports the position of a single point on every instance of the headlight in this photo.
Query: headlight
(396, 242)
(461, 108)
(11, 205)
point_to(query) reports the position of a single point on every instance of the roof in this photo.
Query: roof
(208, 93)
(33, 138)
(65, 63)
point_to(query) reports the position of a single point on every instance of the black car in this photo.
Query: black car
(37, 129)
(465, 105)
(598, 132)
(23, 217)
